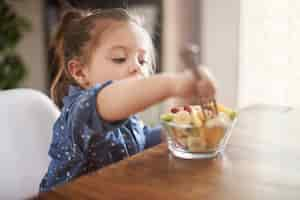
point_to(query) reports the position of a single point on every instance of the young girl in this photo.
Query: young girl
(104, 58)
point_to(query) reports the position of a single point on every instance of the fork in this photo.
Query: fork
(190, 55)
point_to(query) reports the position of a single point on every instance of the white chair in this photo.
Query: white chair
(26, 120)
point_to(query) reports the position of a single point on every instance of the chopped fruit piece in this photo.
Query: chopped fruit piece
(175, 110)
(231, 113)
(222, 120)
(196, 144)
(200, 115)
(197, 108)
(195, 118)
(179, 132)
(187, 108)
(180, 137)
(213, 136)
(167, 117)
(182, 117)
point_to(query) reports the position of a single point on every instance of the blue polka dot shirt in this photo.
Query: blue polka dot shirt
(83, 142)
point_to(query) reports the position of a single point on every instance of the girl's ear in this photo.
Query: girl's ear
(79, 72)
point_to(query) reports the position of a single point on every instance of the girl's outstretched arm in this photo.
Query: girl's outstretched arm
(126, 97)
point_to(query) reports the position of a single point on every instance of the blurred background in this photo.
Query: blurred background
(250, 46)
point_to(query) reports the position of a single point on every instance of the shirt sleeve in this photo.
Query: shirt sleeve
(153, 136)
(84, 111)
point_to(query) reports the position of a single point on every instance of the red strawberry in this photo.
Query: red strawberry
(175, 110)
(187, 108)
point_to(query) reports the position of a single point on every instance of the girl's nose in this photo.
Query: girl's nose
(134, 67)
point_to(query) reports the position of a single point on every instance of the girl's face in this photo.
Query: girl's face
(122, 52)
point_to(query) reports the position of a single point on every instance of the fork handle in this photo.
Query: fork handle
(190, 54)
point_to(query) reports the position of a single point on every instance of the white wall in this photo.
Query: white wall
(219, 41)
(270, 46)
(31, 47)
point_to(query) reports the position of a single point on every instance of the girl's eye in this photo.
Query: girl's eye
(118, 60)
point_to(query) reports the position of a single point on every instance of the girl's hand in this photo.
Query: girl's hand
(206, 87)
(188, 87)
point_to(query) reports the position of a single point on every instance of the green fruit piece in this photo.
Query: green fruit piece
(167, 117)
(232, 115)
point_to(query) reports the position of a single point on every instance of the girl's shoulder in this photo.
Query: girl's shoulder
(78, 94)
(80, 111)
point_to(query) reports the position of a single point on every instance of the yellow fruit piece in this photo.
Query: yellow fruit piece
(180, 137)
(199, 112)
(222, 108)
(196, 144)
(182, 117)
(179, 132)
(201, 116)
(231, 113)
(213, 136)
(195, 118)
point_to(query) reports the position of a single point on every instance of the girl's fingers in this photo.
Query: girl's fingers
(205, 89)
(204, 100)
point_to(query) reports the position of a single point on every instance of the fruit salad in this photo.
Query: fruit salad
(190, 131)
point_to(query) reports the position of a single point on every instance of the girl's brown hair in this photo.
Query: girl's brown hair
(76, 37)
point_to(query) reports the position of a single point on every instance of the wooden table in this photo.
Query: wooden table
(261, 161)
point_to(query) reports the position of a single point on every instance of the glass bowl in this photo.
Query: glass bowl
(191, 142)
